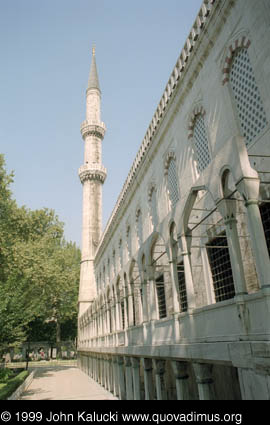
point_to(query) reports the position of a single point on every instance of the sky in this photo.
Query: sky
(45, 54)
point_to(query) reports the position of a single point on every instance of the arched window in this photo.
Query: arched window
(197, 132)
(172, 179)
(139, 226)
(113, 264)
(120, 245)
(152, 197)
(201, 143)
(265, 216)
(220, 264)
(128, 234)
(246, 95)
(182, 287)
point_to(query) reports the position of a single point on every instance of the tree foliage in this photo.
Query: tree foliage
(39, 272)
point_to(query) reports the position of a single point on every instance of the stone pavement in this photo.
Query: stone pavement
(64, 383)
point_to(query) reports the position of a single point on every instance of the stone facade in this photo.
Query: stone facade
(177, 298)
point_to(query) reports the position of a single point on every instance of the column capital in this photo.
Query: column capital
(227, 208)
(159, 366)
(249, 187)
(135, 362)
(180, 369)
(203, 373)
(147, 364)
(127, 361)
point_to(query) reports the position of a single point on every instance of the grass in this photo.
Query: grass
(10, 382)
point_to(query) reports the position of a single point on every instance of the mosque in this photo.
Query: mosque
(174, 299)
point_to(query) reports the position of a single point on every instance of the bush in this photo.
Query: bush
(5, 374)
(12, 384)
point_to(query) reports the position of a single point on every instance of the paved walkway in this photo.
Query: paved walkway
(64, 383)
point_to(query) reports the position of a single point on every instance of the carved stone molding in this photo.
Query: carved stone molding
(97, 130)
(92, 173)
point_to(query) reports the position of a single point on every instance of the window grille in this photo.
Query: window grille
(182, 287)
(173, 183)
(247, 97)
(123, 314)
(161, 297)
(201, 143)
(219, 259)
(141, 295)
(134, 309)
(110, 321)
(265, 215)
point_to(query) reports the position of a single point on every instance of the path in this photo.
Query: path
(64, 383)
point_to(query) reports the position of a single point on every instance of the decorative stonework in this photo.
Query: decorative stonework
(170, 155)
(242, 42)
(151, 188)
(88, 129)
(177, 75)
(92, 173)
(199, 110)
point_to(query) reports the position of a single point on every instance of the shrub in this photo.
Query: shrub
(5, 374)
(12, 384)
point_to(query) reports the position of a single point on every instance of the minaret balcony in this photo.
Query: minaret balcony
(93, 129)
(92, 172)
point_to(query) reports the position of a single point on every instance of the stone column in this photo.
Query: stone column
(175, 292)
(112, 315)
(249, 188)
(203, 373)
(108, 318)
(130, 308)
(160, 385)
(115, 377)
(227, 208)
(102, 371)
(145, 301)
(148, 379)
(186, 254)
(117, 314)
(105, 372)
(126, 310)
(129, 383)
(152, 312)
(110, 374)
(94, 367)
(121, 378)
(181, 377)
(136, 377)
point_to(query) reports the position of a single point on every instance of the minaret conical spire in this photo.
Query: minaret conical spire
(93, 82)
(92, 175)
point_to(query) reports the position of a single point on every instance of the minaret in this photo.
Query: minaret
(92, 175)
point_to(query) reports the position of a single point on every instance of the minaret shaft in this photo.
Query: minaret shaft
(92, 175)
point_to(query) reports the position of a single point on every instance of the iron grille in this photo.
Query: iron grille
(201, 143)
(123, 314)
(265, 215)
(247, 97)
(173, 183)
(161, 297)
(220, 263)
(182, 287)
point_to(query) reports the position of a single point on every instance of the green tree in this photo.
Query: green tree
(39, 271)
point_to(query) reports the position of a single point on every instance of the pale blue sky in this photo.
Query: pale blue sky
(45, 48)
